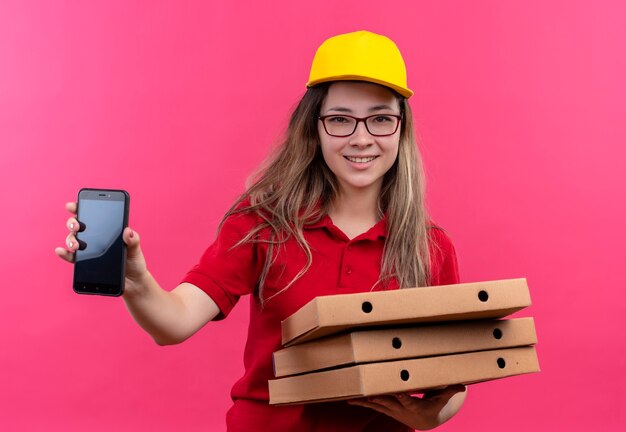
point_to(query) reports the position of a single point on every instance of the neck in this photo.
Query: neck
(356, 203)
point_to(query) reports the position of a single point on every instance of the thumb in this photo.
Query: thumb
(131, 238)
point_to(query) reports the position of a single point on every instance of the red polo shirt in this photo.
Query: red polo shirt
(340, 265)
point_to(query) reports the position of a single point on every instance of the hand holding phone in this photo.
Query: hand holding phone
(100, 258)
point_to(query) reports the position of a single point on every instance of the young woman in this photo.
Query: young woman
(338, 209)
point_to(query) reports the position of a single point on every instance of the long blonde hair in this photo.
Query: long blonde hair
(289, 187)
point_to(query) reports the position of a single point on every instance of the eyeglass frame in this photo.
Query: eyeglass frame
(359, 120)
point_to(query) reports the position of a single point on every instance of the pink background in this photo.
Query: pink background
(521, 111)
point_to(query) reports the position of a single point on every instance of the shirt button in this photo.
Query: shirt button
(350, 247)
(348, 270)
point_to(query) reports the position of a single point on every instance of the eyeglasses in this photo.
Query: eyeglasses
(378, 125)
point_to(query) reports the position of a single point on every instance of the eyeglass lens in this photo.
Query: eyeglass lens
(379, 125)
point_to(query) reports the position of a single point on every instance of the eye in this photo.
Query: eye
(337, 119)
(383, 119)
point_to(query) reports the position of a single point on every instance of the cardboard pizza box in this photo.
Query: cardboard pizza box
(326, 315)
(415, 375)
(401, 343)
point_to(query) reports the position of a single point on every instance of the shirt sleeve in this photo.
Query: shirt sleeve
(444, 265)
(225, 271)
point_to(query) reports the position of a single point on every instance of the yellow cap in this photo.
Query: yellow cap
(360, 56)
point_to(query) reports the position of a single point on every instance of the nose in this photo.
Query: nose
(361, 136)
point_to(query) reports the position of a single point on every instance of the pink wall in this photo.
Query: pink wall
(521, 108)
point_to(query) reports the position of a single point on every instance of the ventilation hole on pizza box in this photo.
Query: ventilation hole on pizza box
(501, 363)
(483, 296)
(396, 343)
(497, 333)
(404, 375)
(367, 307)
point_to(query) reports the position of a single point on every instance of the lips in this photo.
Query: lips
(360, 159)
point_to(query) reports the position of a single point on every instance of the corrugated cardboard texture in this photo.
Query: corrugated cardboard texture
(401, 343)
(413, 375)
(327, 315)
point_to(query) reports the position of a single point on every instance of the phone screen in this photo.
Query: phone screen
(100, 262)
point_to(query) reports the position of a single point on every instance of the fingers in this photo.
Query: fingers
(384, 404)
(370, 403)
(406, 400)
(71, 242)
(64, 254)
(445, 393)
(442, 397)
(457, 388)
(420, 413)
(74, 225)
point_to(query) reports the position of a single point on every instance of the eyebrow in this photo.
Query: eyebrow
(371, 109)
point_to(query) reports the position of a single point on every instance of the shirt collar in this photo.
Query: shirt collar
(378, 230)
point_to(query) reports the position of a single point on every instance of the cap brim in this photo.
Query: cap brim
(407, 93)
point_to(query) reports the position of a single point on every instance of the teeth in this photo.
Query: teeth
(360, 159)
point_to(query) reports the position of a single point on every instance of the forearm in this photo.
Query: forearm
(159, 312)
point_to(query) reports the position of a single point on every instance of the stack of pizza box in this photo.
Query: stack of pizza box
(410, 340)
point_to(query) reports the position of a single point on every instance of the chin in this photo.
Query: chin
(360, 184)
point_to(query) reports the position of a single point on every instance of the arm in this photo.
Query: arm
(169, 317)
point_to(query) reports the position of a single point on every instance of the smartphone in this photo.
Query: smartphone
(100, 261)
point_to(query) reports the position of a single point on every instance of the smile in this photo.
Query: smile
(360, 159)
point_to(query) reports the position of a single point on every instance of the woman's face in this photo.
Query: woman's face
(359, 161)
